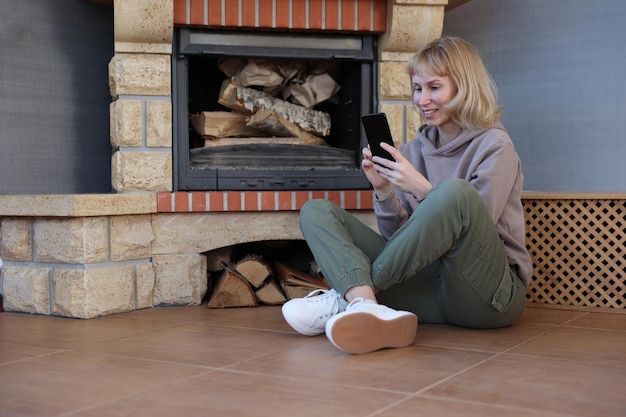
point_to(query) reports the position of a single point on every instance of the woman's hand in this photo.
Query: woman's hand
(384, 174)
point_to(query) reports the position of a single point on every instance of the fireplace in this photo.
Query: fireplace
(87, 255)
(268, 165)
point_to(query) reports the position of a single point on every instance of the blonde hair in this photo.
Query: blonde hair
(476, 102)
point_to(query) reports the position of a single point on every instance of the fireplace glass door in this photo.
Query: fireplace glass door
(270, 111)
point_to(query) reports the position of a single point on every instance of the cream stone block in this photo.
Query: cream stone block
(140, 74)
(16, 239)
(93, 292)
(394, 82)
(76, 205)
(159, 123)
(180, 279)
(144, 25)
(202, 232)
(413, 121)
(395, 117)
(413, 24)
(141, 171)
(145, 286)
(131, 237)
(126, 121)
(26, 289)
(72, 240)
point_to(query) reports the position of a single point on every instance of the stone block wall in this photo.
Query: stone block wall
(89, 266)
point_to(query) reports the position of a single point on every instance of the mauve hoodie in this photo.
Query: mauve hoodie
(488, 160)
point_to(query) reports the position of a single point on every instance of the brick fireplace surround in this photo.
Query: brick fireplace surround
(86, 256)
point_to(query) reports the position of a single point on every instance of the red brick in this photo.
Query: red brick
(301, 198)
(332, 15)
(232, 14)
(282, 14)
(251, 201)
(350, 200)
(215, 12)
(265, 13)
(216, 201)
(181, 201)
(234, 201)
(317, 195)
(298, 20)
(315, 14)
(367, 200)
(364, 16)
(380, 16)
(164, 202)
(180, 12)
(197, 12)
(198, 201)
(284, 200)
(335, 197)
(347, 15)
(248, 13)
(267, 201)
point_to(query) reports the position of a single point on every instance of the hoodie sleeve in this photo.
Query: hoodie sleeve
(390, 214)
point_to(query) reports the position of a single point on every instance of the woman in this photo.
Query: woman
(449, 209)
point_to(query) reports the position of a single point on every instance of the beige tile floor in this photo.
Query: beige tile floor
(193, 361)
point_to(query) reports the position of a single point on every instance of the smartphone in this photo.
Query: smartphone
(377, 131)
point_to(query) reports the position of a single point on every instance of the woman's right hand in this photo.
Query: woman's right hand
(381, 186)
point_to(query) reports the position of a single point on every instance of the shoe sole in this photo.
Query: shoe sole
(359, 333)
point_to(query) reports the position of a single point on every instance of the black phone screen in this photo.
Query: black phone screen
(377, 131)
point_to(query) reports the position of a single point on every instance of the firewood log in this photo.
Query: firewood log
(231, 290)
(223, 124)
(270, 293)
(254, 270)
(271, 122)
(249, 101)
(298, 284)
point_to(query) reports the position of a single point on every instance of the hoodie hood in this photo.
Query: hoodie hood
(427, 136)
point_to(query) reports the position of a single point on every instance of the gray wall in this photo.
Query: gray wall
(560, 69)
(54, 96)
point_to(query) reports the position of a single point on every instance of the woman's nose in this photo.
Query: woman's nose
(423, 98)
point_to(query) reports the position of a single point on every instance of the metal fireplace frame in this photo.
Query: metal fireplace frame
(358, 50)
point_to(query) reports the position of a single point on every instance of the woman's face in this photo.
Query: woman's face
(430, 94)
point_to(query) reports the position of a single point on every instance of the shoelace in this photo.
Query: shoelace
(320, 302)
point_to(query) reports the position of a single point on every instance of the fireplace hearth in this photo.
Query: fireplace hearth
(266, 165)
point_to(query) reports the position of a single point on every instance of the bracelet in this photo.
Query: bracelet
(420, 199)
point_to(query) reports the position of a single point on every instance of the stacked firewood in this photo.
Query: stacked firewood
(259, 277)
(269, 102)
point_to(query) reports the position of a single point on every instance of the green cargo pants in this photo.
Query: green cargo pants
(446, 263)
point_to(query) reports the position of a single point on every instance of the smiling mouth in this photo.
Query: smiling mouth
(427, 113)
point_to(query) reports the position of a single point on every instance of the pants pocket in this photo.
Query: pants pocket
(503, 296)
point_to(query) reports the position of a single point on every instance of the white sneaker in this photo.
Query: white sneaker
(308, 315)
(367, 326)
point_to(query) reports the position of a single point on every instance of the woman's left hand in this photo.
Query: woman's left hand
(401, 173)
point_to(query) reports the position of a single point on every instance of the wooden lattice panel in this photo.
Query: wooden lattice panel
(578, 247)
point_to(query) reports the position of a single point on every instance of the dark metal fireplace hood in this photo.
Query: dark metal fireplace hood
(196, 83)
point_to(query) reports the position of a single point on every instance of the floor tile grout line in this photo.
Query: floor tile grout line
(497, 405)
(43, 355)
(250, 328)
(299, 378)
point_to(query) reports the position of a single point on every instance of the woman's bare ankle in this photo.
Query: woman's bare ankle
(364, 291)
